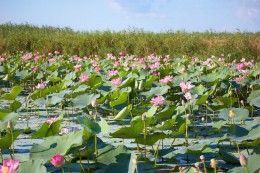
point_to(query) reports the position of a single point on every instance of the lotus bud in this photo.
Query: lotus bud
(163, 123)
(9, 124)
(243, 160)
(202, 119)
(197, 165)
(213, 163)
(187, 116)
(230, 93)
(202, 158)
(182, 102)
(231, 114)
(251, 87)
(134, 160)
(207, 103)
(242, 102)
(94, 103)
(143, 117)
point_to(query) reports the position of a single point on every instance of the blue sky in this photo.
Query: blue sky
(149, 15)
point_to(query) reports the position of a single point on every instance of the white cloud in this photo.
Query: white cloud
(248, 14)
(115, 5)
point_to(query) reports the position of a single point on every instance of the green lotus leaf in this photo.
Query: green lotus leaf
(8, 139)
(16, 90)
(149, 81)
(10, 116)
(254, 98)
(123, 113)
(94, 127)
(240, 114)
(167, 112)
(156, 91)
(32, 166)
(238, 133)
(180, 130)
(126, 132)
(123, 97)
(126, 82)
(194, 149)
(199, 90)
(4, 113)
(15, 106)
(84, 100)
(226, 101)
(94, 81)
(116, 160)
(47, 130)
(237, 170)
(49, 90)
(253, 164)
(202, 99)
(22, 75)
(228, 157)
(54, 145)
(151, 139)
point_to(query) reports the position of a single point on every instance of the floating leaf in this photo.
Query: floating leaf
(123, 113)
(16, 90)
(47, 130)
(151, 139)
(240, 114)
(32, 166)
(56, 145)
(84, 100)
(94, 127)
(228, 157)
(254, 98)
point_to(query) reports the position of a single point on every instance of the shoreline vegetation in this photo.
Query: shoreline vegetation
(30, 38)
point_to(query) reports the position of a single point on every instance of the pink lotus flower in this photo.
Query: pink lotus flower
(94, 103)
(40, 85)
(186, 87)
(57, 160)
(120, 53)
(36, 58)
(56, 52)
(77, 68)
(27, 56)
(166, 79)
(35, 68)
(94, 63)
(158, 101)
(190, 97)
(116, 64)
(112, 73)
(239, 79)
(9, 166)
(97, 69)
(84, 78)
(1, 59)
(51, 60)
(116, 82)
(52, 120)
(64, 131)
(76, 58)
(240, 66)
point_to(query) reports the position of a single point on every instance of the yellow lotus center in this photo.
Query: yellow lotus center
(4, 169)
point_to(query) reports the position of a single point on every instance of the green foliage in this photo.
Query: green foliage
(132, 41)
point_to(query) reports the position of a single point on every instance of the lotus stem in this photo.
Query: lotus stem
(62, 169)
(246, 169)
(80, 161)
(156, 154)
(67, 165)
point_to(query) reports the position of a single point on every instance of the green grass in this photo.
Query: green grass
(46, 39)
